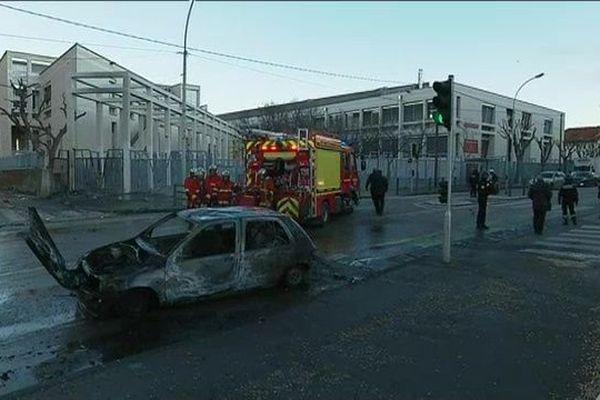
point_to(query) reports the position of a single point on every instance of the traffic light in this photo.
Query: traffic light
(443, 103)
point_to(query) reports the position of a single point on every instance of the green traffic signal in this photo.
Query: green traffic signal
(438, 118)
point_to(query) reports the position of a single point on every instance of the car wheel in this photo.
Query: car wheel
(324, 214)
(94, 310)
(295, 277)
(137, 302)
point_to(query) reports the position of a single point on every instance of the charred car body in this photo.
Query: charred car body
(182, 257)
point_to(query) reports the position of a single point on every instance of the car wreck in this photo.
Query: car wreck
(182, 257)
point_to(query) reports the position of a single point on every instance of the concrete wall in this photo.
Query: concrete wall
(21, 180)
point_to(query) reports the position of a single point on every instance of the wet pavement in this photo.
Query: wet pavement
(44, 338)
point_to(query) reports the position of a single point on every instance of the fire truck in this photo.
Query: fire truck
(312, 175)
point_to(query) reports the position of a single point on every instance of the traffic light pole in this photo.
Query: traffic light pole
(450, 165)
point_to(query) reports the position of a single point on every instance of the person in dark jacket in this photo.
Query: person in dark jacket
(379, 186)
(473, 180)
(541, 196)
(568, 199)
(484, 189)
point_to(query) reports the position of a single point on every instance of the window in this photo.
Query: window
(458, 105)
(213, 240)
(48, 94)
(19, 68)
(38, 67)
(548, 127)
(265, 235)
(113, 127)
(430, 109)
(355, 120)
(413, 112)
(526, 121)
(112, 110)
(35, 99)
(488, 115)
(164, 236)
(390, 116)
(370, 118)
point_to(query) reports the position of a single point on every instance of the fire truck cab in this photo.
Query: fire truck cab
(309, 176)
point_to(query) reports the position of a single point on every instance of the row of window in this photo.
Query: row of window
(20, 68)
(414, 113)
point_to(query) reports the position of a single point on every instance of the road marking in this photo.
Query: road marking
(591, 227)
(595, 241)
(562, 254)
(568, 246)
(37, 325)
(581, 235)
(22, 271)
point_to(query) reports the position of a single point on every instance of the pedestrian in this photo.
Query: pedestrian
(473, 180)
(541, 196)
(484, 189)
(378, 187)
(568, 197)
(443, 190)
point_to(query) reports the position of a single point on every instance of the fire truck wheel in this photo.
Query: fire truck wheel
(295, 277)
(324, 214)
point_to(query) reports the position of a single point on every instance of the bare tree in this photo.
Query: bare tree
(587, 149)
(37, 131)
(520, 135)
(545, 145)
(565, 152)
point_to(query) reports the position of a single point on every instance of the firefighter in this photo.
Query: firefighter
(266, 189)
(212, 185)
(379, 186)
(568, 199)
(201, 176)
(192, 189)
(225, 190)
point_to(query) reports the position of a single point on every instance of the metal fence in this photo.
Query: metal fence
(140, 171)
(87, 166)
(28, 160)
(112, 173)
(408, 176)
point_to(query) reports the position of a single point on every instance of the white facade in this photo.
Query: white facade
(370, 119)
(115, 109)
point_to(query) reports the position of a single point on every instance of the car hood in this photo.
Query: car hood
(41, 244)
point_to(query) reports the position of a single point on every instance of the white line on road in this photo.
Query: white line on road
(32, 326)
(591, 227)
(22, 271)
(595, 241)
(567, 246)
(562, 254)
(581, 235)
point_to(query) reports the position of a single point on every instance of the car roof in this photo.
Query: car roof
(207, 214)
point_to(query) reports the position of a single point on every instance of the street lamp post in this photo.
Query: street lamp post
(184, 139)
(512, 129)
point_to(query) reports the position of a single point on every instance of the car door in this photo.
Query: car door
(268, 250)
(206, 263)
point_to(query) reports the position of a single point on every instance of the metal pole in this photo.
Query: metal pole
(450, 158)
(435, 165)
(184, 140)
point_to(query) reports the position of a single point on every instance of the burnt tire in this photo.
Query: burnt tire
(136, 303)
(295, 277)
(94, 310)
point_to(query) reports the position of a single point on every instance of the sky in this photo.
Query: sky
(491, 45)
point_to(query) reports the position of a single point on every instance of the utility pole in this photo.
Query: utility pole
(183, 133)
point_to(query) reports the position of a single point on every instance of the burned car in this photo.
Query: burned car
(183, 257)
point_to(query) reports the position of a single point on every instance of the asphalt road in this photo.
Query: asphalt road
(44, 338)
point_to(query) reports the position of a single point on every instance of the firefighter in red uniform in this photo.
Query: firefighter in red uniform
(225, 194)
(192, 190)
(266, 189)
(212, 186)
(201, 176)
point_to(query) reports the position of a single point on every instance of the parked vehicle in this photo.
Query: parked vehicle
(584, 178)
(183, 257)
(553, 178)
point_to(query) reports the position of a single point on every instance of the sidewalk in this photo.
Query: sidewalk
(494, 324)
(13, 206)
